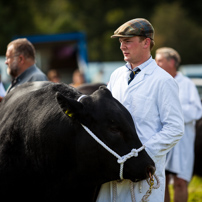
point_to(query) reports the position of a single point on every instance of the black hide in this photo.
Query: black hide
(46, 155)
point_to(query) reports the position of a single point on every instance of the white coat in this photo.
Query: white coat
(153, 101)
(2, 90)
(180, 159)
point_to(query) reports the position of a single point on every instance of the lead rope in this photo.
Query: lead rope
(114, 185)
(121, 160)
(132, 185)
(150, 182)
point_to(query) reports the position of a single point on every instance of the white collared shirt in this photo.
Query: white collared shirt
(141, 67)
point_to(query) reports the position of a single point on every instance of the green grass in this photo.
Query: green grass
(195, 190)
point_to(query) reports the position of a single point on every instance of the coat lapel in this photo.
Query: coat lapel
(148, 70)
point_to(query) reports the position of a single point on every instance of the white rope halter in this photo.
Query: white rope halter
(121, 159)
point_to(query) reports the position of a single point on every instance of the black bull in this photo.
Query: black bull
(46, 154)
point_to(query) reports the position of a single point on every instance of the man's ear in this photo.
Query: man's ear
(147, 42)
(21, 59)
(172, 61)
(69, 106)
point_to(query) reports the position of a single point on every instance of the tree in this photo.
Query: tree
(15, 19)
(174, 28)
(176, 24)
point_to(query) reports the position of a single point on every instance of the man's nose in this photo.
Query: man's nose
(122, 46)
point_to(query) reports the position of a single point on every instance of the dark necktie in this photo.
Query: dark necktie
(132, 75)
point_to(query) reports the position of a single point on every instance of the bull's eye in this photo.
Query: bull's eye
(114, 129)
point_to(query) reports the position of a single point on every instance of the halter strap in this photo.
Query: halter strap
(121, 159)
(81, 97)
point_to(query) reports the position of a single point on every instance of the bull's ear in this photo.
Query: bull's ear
(69, 106)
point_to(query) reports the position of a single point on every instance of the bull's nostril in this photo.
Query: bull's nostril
(150, 170)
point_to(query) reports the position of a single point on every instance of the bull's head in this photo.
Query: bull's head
(111, 122)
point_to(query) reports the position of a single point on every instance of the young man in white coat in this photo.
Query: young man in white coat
(180, 160)
(152, 99)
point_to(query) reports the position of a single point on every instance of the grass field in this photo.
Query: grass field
(195, 190)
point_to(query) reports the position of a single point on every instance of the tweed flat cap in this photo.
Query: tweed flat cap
(135, 27)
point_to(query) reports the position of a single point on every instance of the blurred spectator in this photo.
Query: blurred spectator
(53, 76)
(2, 90)
(20, 59)
(180, 160)
(77, 79)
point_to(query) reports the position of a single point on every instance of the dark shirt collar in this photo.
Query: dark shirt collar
(26, 72)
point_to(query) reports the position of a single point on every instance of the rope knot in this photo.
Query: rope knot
(134, 152)
(121, 160)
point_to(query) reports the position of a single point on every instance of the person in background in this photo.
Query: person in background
(53, 76)
(151, 96)
(180, 160)
(77, 79)
(20, 59)
(2, 90)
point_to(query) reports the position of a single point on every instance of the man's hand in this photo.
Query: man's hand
(1, 98)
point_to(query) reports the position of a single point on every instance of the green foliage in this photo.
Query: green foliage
(174, 28)
(53, 17)
(176, 22)
(15, 19)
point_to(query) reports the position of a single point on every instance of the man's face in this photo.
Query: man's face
(12, 62)
(163, 62)
(132, 49)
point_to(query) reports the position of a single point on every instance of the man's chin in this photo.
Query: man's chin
(126, 59)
